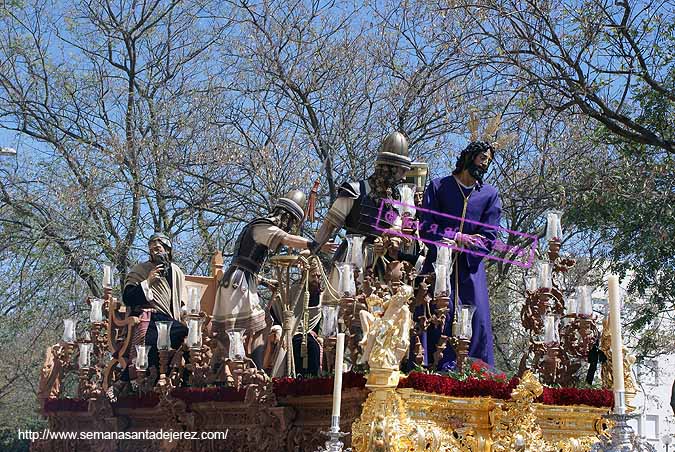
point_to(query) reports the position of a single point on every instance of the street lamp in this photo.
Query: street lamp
(7, 151)
(667, 440)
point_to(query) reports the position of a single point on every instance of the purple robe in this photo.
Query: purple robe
(484, 206)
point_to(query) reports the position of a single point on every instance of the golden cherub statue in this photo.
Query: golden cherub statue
(385, 338)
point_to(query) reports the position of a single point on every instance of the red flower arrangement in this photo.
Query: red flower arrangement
(572, 396)
(501, 389)
(292, 387)
(498, 388)
(478, 381)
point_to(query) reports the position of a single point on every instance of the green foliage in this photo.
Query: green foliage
(631, 203)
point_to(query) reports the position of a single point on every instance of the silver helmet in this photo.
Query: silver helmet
(394, 151)
(293, 203)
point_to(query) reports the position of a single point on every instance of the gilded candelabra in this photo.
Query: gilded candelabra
(566, 343)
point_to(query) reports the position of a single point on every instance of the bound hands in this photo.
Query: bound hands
(469, 240)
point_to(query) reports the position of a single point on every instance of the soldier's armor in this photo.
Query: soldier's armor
(249, 255)
(363, 216)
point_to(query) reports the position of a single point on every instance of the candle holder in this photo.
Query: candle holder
(84, 386)
(621, 437)
(141, 379)
(164, 359)
(334, 443)
(461, 347)
(98, 339)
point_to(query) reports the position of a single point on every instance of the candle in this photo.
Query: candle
(545, 275)
(96, 313)
(553, 227)
(84, 360)
(441, 284)
(346, 283)
(141, 362)
(531, 284)
(69, 330)
(194, 338)
(163, 335)
(107, 277)
(330, 320)
(355, 250)
(443, 255)
(236, 351)
(337, 384)
(550, 331)
(571, 308)
(466, 318)
(407, 192)
(584, 301)
(615, 330)
(194, 305)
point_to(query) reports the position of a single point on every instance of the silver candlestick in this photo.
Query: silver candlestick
(621, 437)
(334, 444)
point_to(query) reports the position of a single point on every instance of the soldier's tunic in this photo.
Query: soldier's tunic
(237, 302)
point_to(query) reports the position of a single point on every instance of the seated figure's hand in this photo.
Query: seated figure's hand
(154, 273)
(135, 319)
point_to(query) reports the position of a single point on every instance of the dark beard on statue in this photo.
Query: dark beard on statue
(477, 173)
(383, 183)
(163, 259)
(286, 222)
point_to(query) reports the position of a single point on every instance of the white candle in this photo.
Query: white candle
(571, 307)
(553, 226)
(96, 313)
(545, 275)
(337, 384)
(531, 285)
(346, 283)
(440, 286)
(443, 255)
(329, 321)
(141, 362)
(163, 335)
(615, 330)
(466, 319)
(107, 276)
(69, 330)
(194, 338)
(355, 250)
(584, 301)
(193, 300)
(84, 360)
(550, 331)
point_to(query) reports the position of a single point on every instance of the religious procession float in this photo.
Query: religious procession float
(381, 344)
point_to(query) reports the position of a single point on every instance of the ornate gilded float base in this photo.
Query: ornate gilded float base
(384, 426)
(409, 420)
